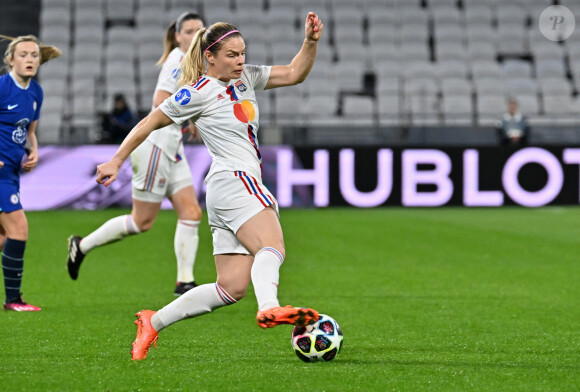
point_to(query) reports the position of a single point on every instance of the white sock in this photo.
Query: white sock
(265, 277)
(185, 244)
(195, 302)
(112, 230)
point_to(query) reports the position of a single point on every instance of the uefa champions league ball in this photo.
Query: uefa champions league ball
(320, 341)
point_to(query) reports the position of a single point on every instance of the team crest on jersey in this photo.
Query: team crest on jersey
(161, 182)
(19, 134)
(14, 198)
(183, 96)
(241, 86)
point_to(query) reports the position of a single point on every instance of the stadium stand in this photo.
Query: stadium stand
(431, 63)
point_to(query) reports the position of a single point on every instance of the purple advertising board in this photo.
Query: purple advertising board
(321, 177)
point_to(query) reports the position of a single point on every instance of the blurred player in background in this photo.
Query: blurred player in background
(513, 128)
(160, 169)
(243, 215)
(20, 103)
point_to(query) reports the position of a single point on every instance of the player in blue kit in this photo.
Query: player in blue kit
(20, 102)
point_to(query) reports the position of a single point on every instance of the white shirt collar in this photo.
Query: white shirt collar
(17, 83)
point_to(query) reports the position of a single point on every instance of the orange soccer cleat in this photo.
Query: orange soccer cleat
(146, 335)
(286, 315)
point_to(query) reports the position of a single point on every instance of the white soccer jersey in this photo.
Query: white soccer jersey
(226, 116)
(169, 139)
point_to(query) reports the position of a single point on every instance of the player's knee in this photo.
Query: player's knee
(144, 224)
(195, 212)
(238, 293)
(236, 290)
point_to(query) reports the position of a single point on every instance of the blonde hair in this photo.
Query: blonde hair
(170, 43)
(193, 64)
(47, 52)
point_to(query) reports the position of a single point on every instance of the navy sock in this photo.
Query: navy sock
(12, 266)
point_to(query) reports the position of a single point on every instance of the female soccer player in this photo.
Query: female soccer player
(160, 169)
(242, 213)
(20, 102)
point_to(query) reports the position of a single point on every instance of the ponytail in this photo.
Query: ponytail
(169, 43)
(207, 39)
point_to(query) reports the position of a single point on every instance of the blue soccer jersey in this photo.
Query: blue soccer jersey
(18, 108)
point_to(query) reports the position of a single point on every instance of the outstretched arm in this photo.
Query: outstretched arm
(299, 68)
(107, 172)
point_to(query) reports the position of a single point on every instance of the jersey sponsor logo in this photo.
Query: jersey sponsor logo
(173, 108)
(245, 111)
(241, 86)
(14, 198)
(183, 97)
(10, 107)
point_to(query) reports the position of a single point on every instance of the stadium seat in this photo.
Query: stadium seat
(320, 110)
(485, 69)
(449, 33)
(420, 87)
(446, 15)
(420, 70)
(289, 110)
(412, 15)
(521, 85)
(481, 33)
(456, 86)
(353, 53)
(557, 104)
(148, 16)
(452, 69)
(547, 50)
(391, 68)
(359, 110)
(490, 108)
(259, 54)
(388, 86)
(458, 110)
(486, 51)
(512, 39)
(120, 9)
(349, 74)
(451, 51)
(86, 69)
(555, 86)
(412, 34)
(478, 14)
(380, 52)
(415, 52)
(528, 103)
(550, 68)
(511, 14)
(346, 35)
(490, 86)
(516, 68)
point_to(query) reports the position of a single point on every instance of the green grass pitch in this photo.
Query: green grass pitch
(448, 299)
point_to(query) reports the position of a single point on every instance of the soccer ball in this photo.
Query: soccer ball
(320, 341)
